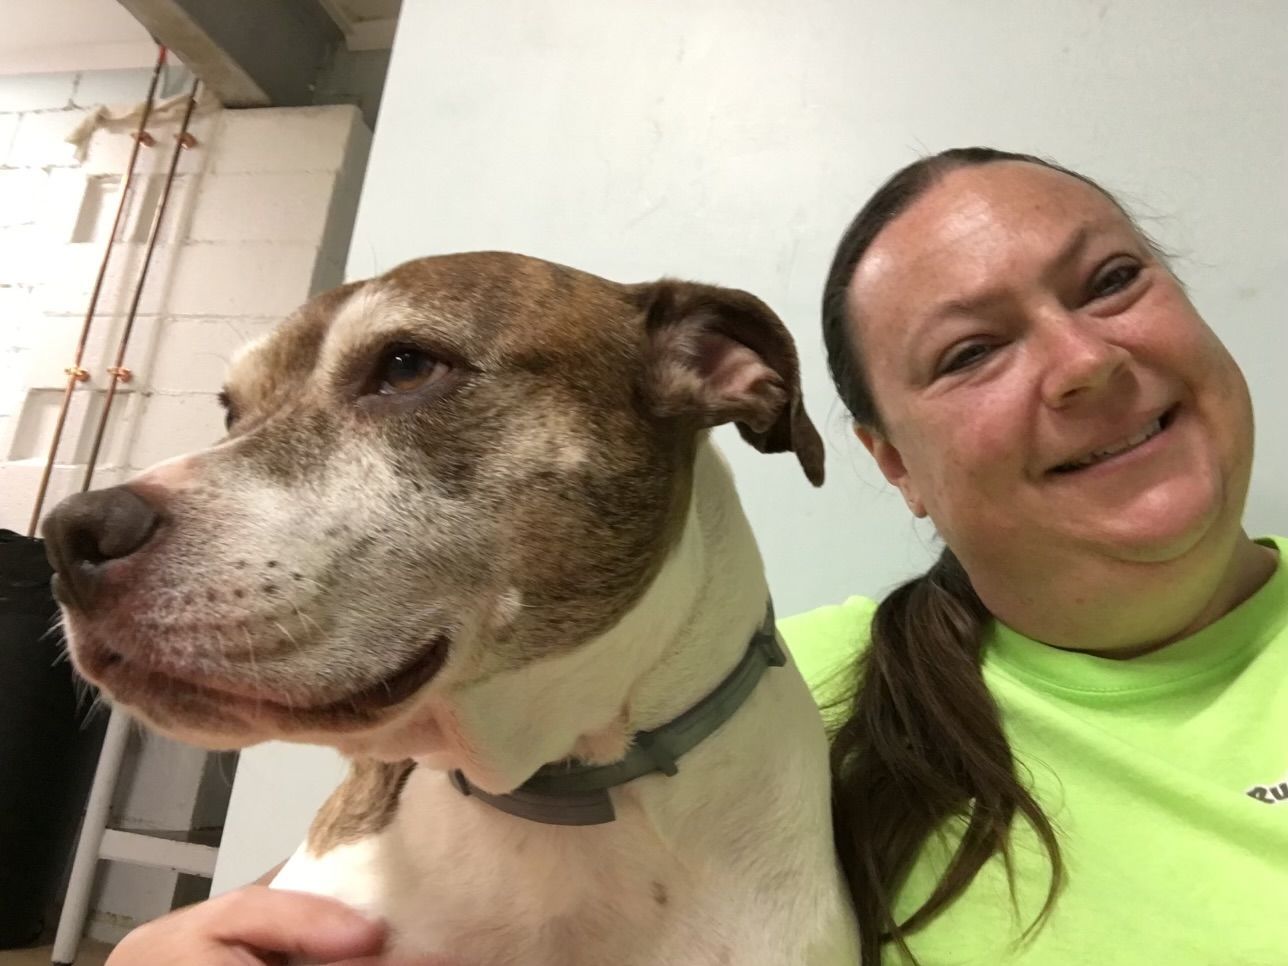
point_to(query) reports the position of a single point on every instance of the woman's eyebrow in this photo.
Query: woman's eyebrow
(1071, 249)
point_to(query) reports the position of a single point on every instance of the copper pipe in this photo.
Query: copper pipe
(118, 371)
(75, 373)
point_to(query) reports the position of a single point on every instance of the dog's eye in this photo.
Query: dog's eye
(406, 370)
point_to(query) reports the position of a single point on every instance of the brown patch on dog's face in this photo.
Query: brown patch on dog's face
(461, 466)
(362, 805)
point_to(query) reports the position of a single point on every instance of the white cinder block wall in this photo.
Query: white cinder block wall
(259, 219)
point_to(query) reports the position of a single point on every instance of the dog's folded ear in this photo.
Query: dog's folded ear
(717, 355)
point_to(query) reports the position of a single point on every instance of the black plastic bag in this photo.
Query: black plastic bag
(49, 743)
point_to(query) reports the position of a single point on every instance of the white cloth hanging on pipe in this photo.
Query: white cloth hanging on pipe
(102, 117)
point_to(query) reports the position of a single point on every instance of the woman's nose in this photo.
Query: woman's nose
(1080, 362)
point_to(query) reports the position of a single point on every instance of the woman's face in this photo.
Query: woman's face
(1048, 392)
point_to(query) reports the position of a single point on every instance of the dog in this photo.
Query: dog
(468, 527)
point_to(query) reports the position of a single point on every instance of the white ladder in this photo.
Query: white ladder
(98, 843)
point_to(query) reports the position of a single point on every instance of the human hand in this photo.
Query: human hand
(258, 926)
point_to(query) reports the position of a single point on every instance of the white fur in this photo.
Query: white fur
(738, 843)
(248, 349)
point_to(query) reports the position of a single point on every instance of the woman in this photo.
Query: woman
(1029, 374)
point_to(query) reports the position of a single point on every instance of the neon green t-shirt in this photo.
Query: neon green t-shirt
(1166, 777)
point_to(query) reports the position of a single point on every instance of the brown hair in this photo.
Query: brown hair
(923, 743)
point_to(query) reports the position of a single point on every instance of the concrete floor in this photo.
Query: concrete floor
(91, 954)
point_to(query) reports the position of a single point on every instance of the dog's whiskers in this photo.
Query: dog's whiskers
(309, 580)
(289, 637)
(286, 634)
(56, 626)
(254, 669)
(96, 704)
(306, 620)
(88, 700)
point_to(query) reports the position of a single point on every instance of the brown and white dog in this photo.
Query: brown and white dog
(467, 521)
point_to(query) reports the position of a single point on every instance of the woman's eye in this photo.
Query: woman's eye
(963, 357)
(1114, 279)
(406, 370)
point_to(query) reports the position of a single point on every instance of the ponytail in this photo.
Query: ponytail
(924, 744)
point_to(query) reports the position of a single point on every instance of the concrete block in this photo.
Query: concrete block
(178, 212)
(284, 139)
(344, 202)
(65, 278)
(16, 310)
(251, 279)
(101, 196)
(193, 354)
(13, 364)
(8, 125)
(109, 150)
(36, 92)
(52, 340)
(18, 485)
(20, 481)
(63, 204)
(41, 139)
(327, 274)
(22, 196)
(277, 206)
(173, 425)
(22, 255)
(38, 419)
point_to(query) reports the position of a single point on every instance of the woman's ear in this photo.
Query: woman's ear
(890, 462)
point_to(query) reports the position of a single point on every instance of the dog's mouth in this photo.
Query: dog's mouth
(210, 696)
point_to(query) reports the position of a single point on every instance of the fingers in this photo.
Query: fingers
(254, 926)
(293, 923)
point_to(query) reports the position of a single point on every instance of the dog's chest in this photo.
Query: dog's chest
(457, 878)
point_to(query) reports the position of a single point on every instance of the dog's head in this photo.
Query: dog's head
(466, 464)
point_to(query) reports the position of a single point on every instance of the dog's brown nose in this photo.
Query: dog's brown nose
(86, 531)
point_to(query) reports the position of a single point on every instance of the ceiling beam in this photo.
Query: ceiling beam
(249, 53)
(372, 34)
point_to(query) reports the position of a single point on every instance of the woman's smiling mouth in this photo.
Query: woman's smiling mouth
(1127, 444)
